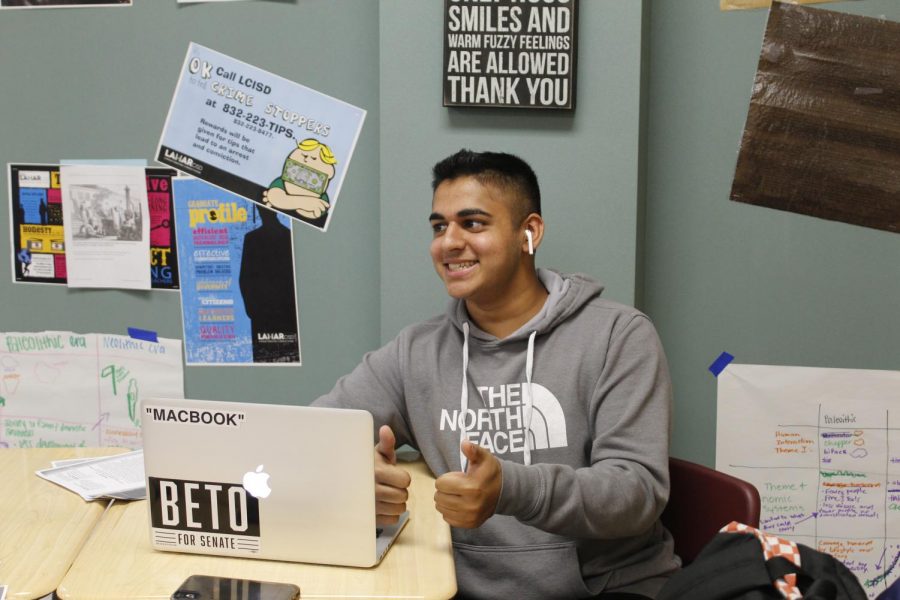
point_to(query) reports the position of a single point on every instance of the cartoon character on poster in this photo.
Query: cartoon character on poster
(302, 187)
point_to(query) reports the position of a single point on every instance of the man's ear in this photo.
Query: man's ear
(533, 233)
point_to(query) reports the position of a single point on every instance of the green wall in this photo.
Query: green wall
(767, 286)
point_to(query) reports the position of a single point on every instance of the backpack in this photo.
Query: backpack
(742, 563)
(891, 593)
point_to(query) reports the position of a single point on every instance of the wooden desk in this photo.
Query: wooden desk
(42, 525)
(118, 562)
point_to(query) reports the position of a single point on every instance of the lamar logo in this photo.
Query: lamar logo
(183, 160)
(196, 417)
(269, 336)
(203, 514)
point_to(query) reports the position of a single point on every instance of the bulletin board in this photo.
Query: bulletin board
(96, 83)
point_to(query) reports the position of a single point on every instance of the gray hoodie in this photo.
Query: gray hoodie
(585, 382)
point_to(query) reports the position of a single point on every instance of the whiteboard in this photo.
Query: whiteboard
(59, 388)
(822, 446)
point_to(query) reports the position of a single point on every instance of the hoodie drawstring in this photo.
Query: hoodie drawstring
(464, 397)
(529, 402)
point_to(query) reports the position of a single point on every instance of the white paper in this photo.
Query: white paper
(118, 476)
(68, 462)
(822, 446)
(107, 226)
(59, 388)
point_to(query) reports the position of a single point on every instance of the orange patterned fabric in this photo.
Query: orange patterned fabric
(773, 546)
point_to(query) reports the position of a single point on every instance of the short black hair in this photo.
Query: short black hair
(505, 171)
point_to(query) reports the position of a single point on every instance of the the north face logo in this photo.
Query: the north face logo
(499, 424)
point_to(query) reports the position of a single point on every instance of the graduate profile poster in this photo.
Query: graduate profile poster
(260, 136)
(238, 296)
(38, 228)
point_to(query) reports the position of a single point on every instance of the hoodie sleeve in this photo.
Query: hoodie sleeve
(375, 385)
(625, 488)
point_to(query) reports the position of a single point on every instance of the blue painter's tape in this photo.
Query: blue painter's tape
(143, 334)
(719, 365)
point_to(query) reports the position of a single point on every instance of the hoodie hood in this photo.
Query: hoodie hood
(567, 294)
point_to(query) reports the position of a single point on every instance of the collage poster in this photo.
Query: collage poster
(260, 136)
(238, 296)
(38, 236)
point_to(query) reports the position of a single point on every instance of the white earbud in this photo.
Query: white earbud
(530, 241)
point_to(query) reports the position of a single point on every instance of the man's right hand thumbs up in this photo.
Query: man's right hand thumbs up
(391, 481)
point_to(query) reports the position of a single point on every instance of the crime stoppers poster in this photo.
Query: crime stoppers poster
(510, 53)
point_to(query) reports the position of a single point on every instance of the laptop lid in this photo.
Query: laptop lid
(282, 482)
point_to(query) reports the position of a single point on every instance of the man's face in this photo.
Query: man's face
(476, 249)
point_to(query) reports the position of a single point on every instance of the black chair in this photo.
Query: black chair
(701, 502)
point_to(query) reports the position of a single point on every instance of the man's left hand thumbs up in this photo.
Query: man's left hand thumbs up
(468, 499)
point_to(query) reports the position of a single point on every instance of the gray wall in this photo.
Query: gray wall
(769, 287)
(637, 198)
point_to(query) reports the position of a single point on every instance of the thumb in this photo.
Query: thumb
(474, 453)
(386, 443)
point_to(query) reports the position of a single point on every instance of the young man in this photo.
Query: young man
(542, 409)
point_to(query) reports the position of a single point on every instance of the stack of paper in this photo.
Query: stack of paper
(120, 476)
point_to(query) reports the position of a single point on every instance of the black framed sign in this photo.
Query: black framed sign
(510, 53)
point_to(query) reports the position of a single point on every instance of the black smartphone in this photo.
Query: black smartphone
(206, 587)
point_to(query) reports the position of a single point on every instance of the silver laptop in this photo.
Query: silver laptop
(292, 483)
